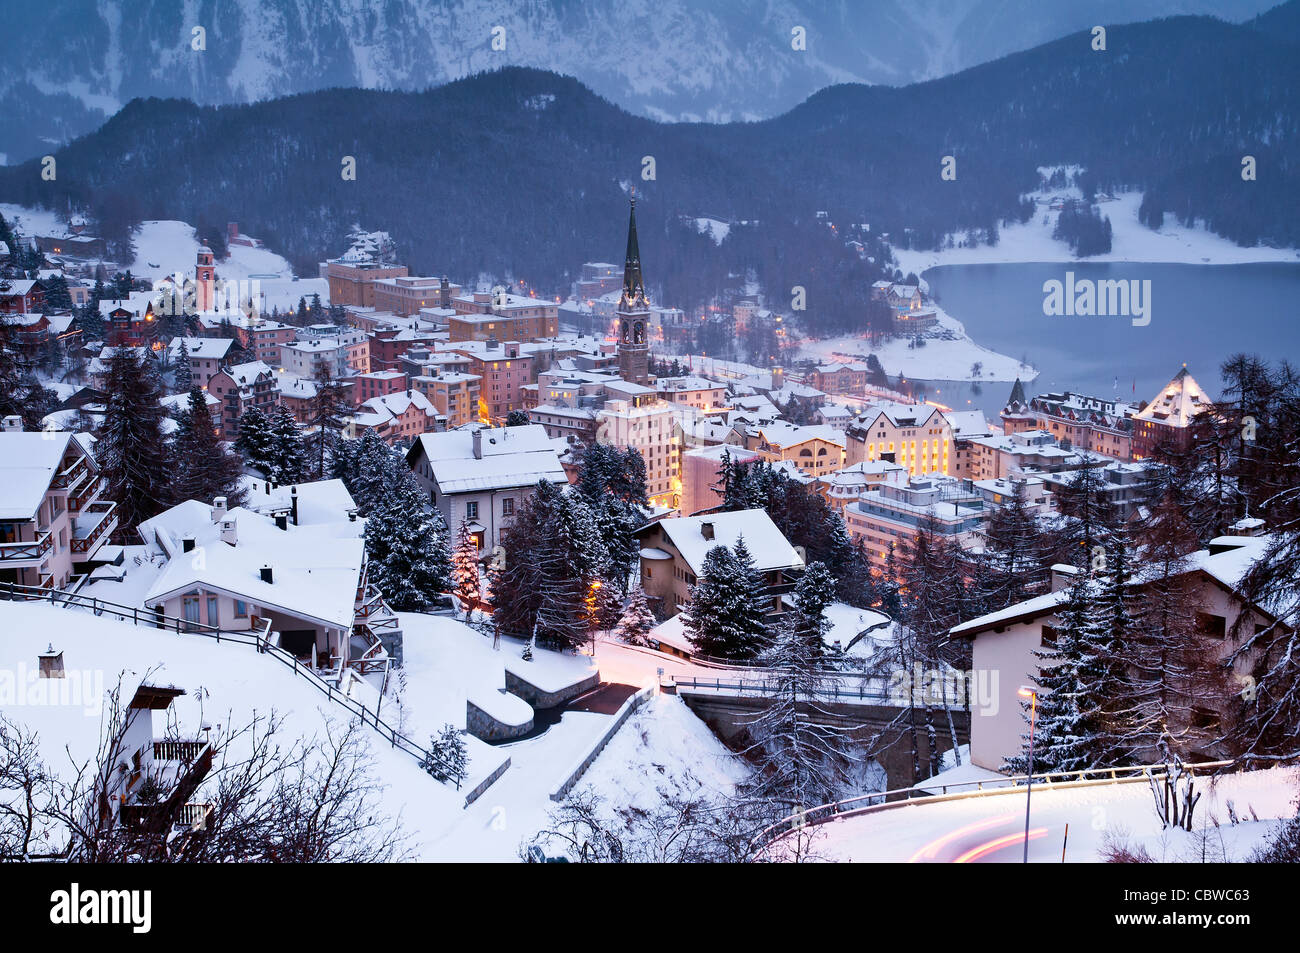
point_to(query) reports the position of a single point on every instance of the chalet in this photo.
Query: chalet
(397, 418)
(482, 476)
(673, 553)
(21, 296)
(240, 387)
(205, 355)
(302, 582)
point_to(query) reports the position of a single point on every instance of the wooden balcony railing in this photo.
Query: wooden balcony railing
(107, 521)
(28, 551)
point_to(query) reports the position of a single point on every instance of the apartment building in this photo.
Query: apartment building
(237, 388)
(483, 315)
(895, 513)
(53, 523)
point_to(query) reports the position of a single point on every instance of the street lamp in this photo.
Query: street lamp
(1026, 692)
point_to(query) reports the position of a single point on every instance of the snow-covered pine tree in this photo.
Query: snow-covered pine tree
(289, 451)
(725, 619)
(131, 449)
(184, 374)
(373, 468)
(256, 441)
(1087, 514)
(202, 467)
(406, 543)
(1016, 554)
(637, 620)
(448, 757)
(1173, 669)
(814, 592)
(1067, 725)
(328, 407)
(800, 759)
(464, 568)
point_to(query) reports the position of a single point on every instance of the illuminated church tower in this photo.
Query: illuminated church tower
(633, 314)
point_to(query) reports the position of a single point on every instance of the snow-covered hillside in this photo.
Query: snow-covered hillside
(1131, 241)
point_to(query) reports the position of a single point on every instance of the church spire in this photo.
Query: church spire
(633, 285)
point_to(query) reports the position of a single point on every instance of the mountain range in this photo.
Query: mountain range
(66, 65)
(524, 173)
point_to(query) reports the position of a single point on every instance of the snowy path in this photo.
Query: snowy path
(990, 828)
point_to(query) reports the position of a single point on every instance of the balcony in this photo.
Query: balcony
(91, 528)
(84, 491)
(27, 553)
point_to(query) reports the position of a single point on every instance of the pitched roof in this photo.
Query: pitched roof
(767, 544)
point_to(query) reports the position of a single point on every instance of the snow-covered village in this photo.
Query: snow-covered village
(381, 483)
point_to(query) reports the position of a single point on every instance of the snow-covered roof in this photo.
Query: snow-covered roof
(769, 547)
(1178, 402)
(321, 501)
(315, 569)
(200, 347)
(510, 456)
(28, 462)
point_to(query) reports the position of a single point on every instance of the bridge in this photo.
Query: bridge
(868, 713)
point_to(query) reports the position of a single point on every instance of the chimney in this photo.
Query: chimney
(187, 544)
(12, 424)
(229, 534)
(706, 530)
(282, 520)
(1063, 576)
(492, 342)
(293, 504)
(267, 574)
(444, 293)
(51, 663)
(218, 509)
(478, 444)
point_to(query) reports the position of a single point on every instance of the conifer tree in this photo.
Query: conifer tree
(725, 618)
(464, 568)
(289, 453)
(184, 374)
(406, 543)
(814, 592)
(637, 621)
(1068, 721)
(256, 441)
(131, 449)
(202, 468)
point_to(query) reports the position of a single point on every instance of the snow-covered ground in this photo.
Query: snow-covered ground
(165, 248)
(990, 828)
(1131, 241)
(938, 359)
(447, 662)
(30, 222)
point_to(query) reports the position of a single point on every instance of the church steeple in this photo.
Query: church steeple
(633, 313)
(633, 284)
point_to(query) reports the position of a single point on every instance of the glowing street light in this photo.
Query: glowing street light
(1027, 692)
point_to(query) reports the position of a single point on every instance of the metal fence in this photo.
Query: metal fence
(883, 800)
(259, 640)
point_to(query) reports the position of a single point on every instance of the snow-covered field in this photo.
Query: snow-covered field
(228, 684)
(946, 360)
(165, 248)
(1131, 241)
(990, 828)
